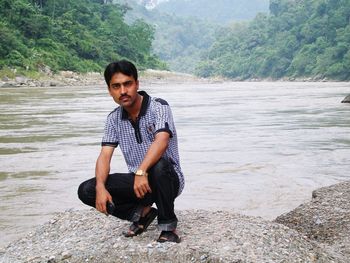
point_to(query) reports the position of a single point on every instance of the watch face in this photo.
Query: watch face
(141, 173)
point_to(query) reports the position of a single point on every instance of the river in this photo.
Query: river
(257, 148)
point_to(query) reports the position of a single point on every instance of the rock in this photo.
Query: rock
(21, 80)
(325, 219)
(67, 74)
(9, 84)
(45, 69)
(54, 84)
(346, 99)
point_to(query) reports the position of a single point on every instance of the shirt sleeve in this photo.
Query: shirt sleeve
(164, 118)
(110, 137)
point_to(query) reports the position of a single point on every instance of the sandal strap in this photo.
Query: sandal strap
(137, 228)
(134, 227)
(168, 236)
(146, 220)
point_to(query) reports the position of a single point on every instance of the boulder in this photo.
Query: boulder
(346, 99)
(325, 219)
(21, 80)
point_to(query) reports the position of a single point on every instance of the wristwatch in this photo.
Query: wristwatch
(141, 173)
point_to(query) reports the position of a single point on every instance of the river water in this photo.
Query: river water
(257, 148)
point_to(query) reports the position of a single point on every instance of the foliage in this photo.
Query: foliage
(77, 35)
(300, 38)
(305, 38)
(178, 41)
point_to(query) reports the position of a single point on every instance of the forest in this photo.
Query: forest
(293, 39)
(298, 39)
(77, 35)
(184, 29)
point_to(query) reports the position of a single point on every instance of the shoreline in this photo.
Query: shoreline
(316, 231)
(70, 78)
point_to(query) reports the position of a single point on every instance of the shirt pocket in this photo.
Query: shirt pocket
(150, 131)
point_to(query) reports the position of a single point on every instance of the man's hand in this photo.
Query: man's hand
(141, 186)
(102, 197)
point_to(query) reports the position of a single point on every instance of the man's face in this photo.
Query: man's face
(123, 89)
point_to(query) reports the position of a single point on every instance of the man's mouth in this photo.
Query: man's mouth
(123, 98)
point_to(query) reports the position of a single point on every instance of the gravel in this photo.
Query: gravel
(325, 219)
(317, 231)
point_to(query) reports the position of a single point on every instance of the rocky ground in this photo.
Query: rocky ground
(314, 232)
(325, 219)
(63, 78)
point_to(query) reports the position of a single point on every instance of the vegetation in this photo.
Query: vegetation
(77, 35)
(178, 41)
(300, 38)
(184, 29)
(218, 11)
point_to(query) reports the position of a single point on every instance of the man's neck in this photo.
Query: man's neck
(133, 112)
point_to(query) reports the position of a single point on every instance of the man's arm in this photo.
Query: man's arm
(154, 153)
(101, 172)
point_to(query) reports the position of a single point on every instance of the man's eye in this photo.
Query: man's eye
(128, 83)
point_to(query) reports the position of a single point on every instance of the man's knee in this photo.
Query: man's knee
(86, 192)
(163, 174)
(160, 168)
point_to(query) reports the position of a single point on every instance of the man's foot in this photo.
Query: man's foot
(168, 236)
(141, 226)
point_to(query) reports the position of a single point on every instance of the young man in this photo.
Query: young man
(144, 129)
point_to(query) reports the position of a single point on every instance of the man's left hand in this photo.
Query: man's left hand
(141, 186)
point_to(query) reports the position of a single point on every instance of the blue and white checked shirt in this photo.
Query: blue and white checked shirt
(134, 139)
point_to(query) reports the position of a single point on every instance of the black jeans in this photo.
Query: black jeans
(163, 181)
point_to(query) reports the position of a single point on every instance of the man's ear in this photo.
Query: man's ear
(137, 84)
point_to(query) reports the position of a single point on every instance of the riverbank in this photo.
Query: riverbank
(69, 78)
(317, 231)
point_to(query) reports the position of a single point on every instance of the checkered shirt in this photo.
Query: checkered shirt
(134, 139)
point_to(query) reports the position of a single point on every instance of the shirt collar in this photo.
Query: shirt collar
(144, 106)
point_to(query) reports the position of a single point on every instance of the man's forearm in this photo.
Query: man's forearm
(102, 169)
(101, 173)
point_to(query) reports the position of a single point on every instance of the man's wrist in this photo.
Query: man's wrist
(141, 172)
(100, 186)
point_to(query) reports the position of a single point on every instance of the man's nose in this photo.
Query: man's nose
(122, 89)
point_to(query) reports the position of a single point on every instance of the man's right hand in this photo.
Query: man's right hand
(102, 197)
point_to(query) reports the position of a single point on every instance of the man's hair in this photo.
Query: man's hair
(122, 66)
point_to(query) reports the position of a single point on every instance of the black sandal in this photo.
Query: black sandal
(141, 226)
(168, 236)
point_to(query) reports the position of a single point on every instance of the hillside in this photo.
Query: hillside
(180, 39)
(77, 35)
(299, 39)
